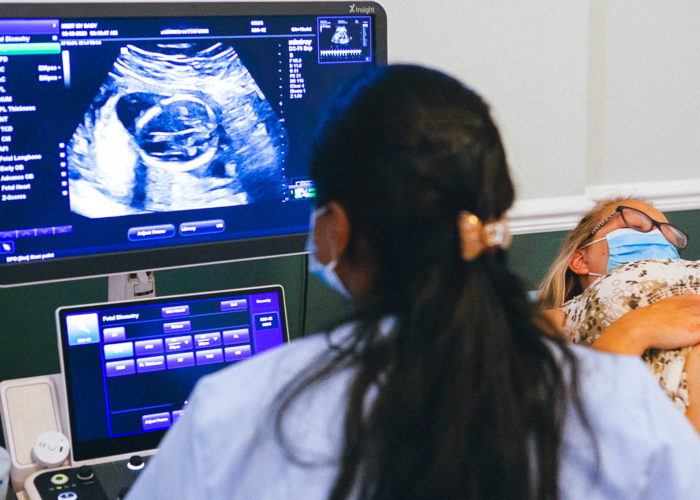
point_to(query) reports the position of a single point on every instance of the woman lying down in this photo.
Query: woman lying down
(619, 285)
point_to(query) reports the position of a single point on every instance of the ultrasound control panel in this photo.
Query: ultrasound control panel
(107, 481)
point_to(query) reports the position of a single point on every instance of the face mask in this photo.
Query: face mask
(326, 273)
(627, 245)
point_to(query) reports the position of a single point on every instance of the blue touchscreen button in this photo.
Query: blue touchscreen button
(177, 326)
(236, 336)
(82, 329)
(119, 368)
(234, 305)
(120, 350)
(237, 353)
(202, 227)
(151, 232)
(173, 311)
(150, 364)
(210, 356)
(7, 246)
(155, 421)
(265, 321)
(114, 334)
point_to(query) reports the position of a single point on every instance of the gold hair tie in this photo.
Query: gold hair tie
(475, 237)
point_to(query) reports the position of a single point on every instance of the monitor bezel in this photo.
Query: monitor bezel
(159, 258)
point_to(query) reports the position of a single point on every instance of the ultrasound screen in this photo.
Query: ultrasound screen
(151, 141)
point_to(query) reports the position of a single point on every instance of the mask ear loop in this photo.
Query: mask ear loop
(588, 244)
(325, 272)
(594, 241)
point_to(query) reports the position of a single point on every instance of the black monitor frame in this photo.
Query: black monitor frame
(186, 254)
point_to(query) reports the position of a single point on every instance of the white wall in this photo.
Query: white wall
(651, 99)
(592, 96)
(528, 59)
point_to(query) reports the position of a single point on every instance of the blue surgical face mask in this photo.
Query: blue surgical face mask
(627, 245)
(326, 273)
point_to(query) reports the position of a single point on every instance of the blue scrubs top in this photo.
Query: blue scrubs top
(224, 446)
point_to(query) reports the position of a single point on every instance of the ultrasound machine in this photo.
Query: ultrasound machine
(144, 136)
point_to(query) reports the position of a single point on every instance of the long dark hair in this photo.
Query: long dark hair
(467, 396)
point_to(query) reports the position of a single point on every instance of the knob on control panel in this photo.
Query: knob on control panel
(85, 472)
(136, 463)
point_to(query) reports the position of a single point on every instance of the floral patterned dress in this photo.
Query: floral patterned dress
(626, 287)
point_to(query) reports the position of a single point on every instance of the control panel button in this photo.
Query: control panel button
(59, 479)
(136, 462)
(85, 472)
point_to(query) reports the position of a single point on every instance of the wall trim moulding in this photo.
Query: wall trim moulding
(562, 213)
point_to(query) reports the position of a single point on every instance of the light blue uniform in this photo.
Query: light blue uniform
(224, 446)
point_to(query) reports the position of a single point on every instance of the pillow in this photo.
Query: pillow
(626, 287)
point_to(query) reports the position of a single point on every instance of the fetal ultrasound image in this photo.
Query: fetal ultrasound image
(341, 36)
(176, 127)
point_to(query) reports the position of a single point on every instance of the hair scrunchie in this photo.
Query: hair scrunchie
(476, 237)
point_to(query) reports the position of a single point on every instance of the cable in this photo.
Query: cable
(304, 293)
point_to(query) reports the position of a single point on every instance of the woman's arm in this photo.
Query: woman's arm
(692, 371)
(667, 324)
(556, 318)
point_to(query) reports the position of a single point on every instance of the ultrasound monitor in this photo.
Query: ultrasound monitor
(142, 136)
(129, 367)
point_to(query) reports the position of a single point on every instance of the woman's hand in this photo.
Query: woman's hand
(667, 324)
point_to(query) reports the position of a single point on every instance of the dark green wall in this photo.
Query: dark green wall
(530, 255)
(27, 328)
(29, 345)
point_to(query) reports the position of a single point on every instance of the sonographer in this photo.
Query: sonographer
(446, 382)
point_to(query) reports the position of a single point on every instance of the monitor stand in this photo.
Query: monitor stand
(129, 286)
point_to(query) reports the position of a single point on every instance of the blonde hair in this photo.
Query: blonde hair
(561, 283)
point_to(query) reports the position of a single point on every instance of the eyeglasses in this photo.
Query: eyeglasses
(639, 221)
